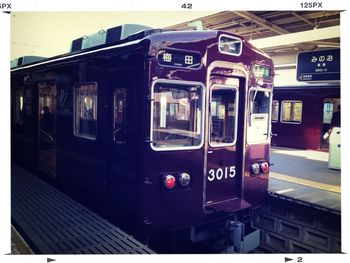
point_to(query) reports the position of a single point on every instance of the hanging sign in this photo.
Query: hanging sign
(319, 66)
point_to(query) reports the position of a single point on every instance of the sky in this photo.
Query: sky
(51, 33)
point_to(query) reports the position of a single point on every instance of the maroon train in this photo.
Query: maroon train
(172, 126)
(301, 115)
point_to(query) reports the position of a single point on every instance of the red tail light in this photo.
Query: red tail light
(169, 181)
(264, 167)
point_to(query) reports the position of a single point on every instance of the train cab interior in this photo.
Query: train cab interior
(177, 115)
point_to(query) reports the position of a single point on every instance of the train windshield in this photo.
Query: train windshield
(259, 121)
(177, 116)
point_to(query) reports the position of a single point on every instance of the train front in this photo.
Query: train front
(206, 159)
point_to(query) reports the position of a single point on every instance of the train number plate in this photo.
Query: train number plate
(222, 173)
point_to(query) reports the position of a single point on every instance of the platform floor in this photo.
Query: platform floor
(52, 223)
(304, 175)
(18, 244)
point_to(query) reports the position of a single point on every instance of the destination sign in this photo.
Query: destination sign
(261, 72)
(319, 66)
(178, 59)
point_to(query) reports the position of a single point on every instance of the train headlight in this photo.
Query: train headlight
(169, 181)
(184, 179)
(264, 167)
(254, 168)
(230, 45)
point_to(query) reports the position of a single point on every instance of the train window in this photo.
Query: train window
(291, 112)
(177, 113)
(223, 112)
(258, 122)
(119, 114)
(47, 106)
(85, 110)
(327, 111)
(18, 106)
(275, 109)
(230, 45)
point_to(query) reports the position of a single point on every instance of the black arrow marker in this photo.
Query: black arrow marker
(287, 259)
(50, 260)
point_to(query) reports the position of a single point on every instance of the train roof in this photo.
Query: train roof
(152, 35)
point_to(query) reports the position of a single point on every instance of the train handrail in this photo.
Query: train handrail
(49, 136)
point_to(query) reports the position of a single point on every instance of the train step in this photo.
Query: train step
(53, 223)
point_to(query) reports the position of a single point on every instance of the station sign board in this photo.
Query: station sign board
(319, 66)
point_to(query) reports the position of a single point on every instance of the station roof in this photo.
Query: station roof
(255, 25)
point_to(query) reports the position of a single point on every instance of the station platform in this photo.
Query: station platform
(52, 223)
(18, 245)
(304, 175)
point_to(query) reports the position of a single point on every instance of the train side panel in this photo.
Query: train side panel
(307, 132)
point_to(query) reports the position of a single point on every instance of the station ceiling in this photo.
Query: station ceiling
(255, 25)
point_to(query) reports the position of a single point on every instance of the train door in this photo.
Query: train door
(119, 120)
(122, 138)
(47, 127)
(222, 158)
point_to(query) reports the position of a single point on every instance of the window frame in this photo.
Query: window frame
(74, 110)
(269, 128)
(233, 38)
(223, 87)
(291, 122)
(177, 148)
(20, 115)
(123, 124)
(278, 111)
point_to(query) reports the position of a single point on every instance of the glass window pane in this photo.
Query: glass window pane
(86, 110)
(286, 111)
(292, 111)
(230, 45)
(47, 106)
(18, 106)
(177, 115)
(119, 114)
(327, 111)
(297, 107)
(275, 108)
(222, 116)
(258, 120)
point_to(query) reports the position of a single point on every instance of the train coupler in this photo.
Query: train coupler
(240, 237)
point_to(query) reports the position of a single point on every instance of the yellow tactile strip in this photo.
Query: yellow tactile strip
(309, 183)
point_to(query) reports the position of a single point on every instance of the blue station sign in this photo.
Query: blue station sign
(319, 66)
